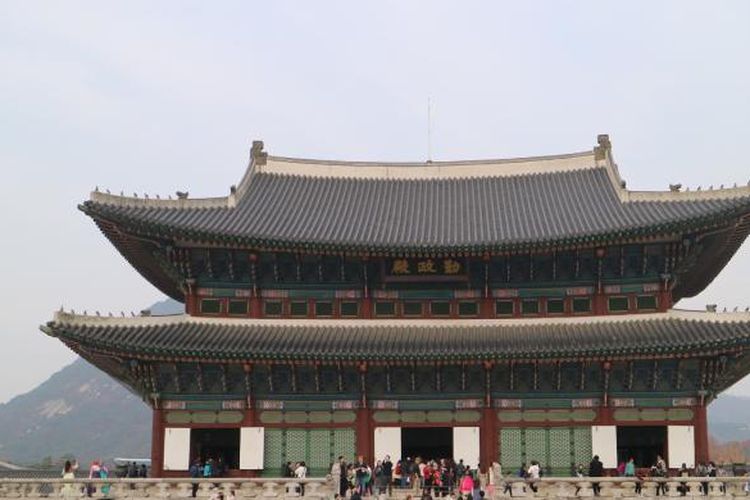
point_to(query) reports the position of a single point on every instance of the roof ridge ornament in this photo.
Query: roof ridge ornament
(257, 155)
(604, 148)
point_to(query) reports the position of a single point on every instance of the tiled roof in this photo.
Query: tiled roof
(238, 339)
(452, 206)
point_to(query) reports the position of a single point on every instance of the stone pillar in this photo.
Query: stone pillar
(157, 443)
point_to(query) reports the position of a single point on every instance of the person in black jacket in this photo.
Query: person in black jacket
(596, 469)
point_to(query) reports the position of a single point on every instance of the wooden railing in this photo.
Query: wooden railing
(263, 488)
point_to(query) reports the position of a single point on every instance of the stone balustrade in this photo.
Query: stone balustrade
(284, 488)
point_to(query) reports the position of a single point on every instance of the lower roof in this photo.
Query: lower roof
(236, 340)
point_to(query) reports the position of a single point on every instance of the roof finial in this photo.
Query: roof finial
(135, 195)
(675, 188)
(108, 191)
(98, 313)
(711, 308)
(735, 309)
(96, 189)
(182, 195)
(604, 146)
(257, 155)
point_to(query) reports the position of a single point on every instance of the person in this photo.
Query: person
(621, 469)
(660, 470)
(104, 474)
(522, 471)
(69, 489)
(467, 483)
(596, 469)
(360, 474)
(208, 468)
(301, 473)
(684, 472)
(630, 468)
(144, 471)
(195, 473)
(93, 474)
(380, 479)
(132, 470)
(533, 474)
(388, 473)
(476, 492)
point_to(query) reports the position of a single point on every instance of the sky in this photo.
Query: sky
(155, 97)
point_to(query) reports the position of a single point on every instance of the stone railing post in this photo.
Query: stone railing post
(715, 488)
(270, 489)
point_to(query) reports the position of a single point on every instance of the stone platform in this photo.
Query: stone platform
(318, 488)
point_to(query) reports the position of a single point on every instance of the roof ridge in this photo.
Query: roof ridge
(64, 317)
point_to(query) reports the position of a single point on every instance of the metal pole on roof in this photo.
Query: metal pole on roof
(429, 129)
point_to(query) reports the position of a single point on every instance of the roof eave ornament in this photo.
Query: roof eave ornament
(257, 155)
(604, 149)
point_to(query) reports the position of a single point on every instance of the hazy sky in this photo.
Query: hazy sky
(159, 96)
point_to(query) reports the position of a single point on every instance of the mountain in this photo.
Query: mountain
(729, 418)
(78, 411)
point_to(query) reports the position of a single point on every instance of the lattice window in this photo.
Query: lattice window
(511, 448)
(582, 445)
(273, 453)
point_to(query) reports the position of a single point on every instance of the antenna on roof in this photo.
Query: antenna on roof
(429, 129)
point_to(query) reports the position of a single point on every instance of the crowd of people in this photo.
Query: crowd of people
(443, 478)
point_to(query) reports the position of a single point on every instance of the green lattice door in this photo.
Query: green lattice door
(318, 448)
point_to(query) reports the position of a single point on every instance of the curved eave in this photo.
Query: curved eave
(239, 341)
(144, 227)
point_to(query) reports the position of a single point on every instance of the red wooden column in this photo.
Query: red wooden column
(365, 437)
(157, 443)
(488, 425)
(701, 433)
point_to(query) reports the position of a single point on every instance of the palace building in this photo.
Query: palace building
(500, 310)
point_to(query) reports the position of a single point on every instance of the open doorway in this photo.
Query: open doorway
(222, 446)
(643, 443)
(427, 442)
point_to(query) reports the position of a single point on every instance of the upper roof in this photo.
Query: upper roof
(435, 206)
(240, 340)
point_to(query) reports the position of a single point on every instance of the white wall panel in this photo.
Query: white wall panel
(681, 446)
(388, 442)
(251, 448)
(466, 445)
(176, 448)
(604, 444)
